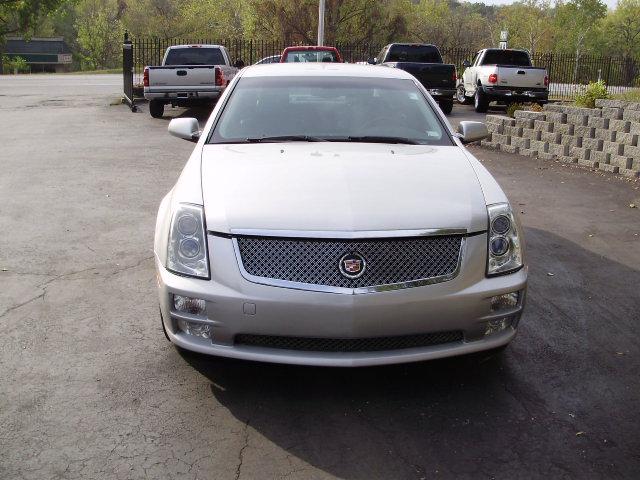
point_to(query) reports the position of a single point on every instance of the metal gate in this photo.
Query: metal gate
(127, 72)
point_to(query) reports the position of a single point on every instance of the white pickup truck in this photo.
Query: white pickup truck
(503, 76)
(189, 75)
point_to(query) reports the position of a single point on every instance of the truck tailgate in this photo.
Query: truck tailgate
(182, 76)
(430, 75)
(523, 77)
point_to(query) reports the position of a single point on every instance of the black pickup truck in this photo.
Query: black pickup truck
(424, 62)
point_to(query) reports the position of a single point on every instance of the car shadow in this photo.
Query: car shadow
(200, 112)
(572, 368)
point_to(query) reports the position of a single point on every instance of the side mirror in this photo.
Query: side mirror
(185, 128)
(466, 64)
(372, 60)
(472, 131)
(239, 64)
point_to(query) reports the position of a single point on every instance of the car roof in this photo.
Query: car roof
(409, 44)
(320, 69)
(303, 48)
(506, 50)
(195, 45)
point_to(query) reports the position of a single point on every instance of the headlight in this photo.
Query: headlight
(505, 248)
(187, 248)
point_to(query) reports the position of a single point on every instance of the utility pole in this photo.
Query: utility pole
(321, 4)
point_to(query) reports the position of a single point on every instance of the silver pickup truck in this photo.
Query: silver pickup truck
(502, 76)
(189, 75)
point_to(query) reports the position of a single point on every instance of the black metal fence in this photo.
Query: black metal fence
(568, 74)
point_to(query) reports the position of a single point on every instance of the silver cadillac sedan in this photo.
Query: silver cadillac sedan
(329, 215)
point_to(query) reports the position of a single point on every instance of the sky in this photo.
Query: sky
(610, 3)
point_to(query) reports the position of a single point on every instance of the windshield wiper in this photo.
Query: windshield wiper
(286, 138)
(381, 139)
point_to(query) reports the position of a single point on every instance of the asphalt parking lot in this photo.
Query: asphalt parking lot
(90, 388)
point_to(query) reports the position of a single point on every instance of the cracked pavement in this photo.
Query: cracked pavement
(91, 389)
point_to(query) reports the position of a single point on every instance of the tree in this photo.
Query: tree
(529, 24)
(621, 29)
(19, 16)
(577, 20)
(100, 32)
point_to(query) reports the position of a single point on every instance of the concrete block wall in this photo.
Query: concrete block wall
(606, 137)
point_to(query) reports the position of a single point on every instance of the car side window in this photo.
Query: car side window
(475, 59)
(227, 58)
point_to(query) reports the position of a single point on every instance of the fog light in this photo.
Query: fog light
(506, 301)
(497, 325)
(194, 306)
(196, 329)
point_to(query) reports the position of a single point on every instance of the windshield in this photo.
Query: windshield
(311, 108)
(311, 56)
(507, 57)
(194, 56)
(414, 53)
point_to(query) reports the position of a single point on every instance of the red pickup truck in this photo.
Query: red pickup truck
(311, 54)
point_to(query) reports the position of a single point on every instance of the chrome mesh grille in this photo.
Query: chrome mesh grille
(375, 344)
(388, 261)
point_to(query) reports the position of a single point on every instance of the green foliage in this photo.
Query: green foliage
(14, 64)
(94, 28)
(591, 93)
(100, 33)
(577, 23)
(530, 107)
(622, 29)
(22, 15)
(529, 23)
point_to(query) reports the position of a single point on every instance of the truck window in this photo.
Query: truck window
(514, 58)
(195, 56)
(311, 56)
(414, 53)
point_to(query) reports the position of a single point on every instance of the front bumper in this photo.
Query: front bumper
(510, 95)
(186, 95)
(236, 306)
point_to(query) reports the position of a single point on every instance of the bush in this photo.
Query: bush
(14, 64)
(591, 93)
(530, 107)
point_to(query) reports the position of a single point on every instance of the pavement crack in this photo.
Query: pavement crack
(130, 267)
(15, 307)
(241, 452)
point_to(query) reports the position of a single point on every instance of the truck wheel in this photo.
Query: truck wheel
(481, 102)
(461, 96)
(446, 106)
(156, 108)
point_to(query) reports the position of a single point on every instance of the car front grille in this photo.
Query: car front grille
(375, 344)
(316, 261)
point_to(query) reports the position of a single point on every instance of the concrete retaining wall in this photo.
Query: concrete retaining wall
(604, 138)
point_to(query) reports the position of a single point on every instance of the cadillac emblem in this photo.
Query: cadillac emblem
(352, 265)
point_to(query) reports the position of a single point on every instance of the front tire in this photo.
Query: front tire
(156, 108)
(461, 96)
(446, 106)
(481, 102)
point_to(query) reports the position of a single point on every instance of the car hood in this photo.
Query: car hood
(345, 187)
